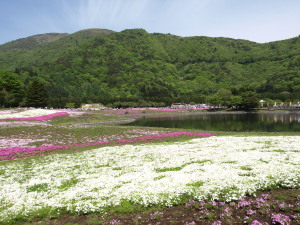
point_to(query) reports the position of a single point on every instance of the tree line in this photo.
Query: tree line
(15, 93)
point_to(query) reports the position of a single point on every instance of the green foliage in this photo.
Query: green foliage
(210, 216)
(196, 184)
(159, 177)
(38, 187)
(133, 66)
(11, 89)
(250, 99)
(68, 183)
(168, 169)
(37, 95)
(125, 207)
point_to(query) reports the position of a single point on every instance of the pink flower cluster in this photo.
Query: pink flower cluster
(13, 153)
(156, 215)
(165, 110)
(43, 118)
(171, 110)
(281, 219)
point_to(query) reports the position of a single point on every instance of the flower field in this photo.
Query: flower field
(53, 165)
(216, 167)
(21, 152)
(34, 114)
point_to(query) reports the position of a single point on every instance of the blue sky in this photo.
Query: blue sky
(256, 20)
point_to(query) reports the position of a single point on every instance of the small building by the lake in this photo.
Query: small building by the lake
(93, 107)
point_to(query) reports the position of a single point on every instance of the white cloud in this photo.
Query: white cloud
(100, 13)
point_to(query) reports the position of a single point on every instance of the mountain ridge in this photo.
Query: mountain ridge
(103, 65)
(32, 41)
(108, 31)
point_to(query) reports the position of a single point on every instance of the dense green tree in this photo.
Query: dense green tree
(235, 101)
(250, 100)
(215, 99)
(3, 98)
(225, 96)
(37, 95)
(11, 88)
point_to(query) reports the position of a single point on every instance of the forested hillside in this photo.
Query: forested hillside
(134, 67)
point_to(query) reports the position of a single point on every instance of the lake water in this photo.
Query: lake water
(265, 122)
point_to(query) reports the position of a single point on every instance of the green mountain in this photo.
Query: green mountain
(32, 42)
(99, 65)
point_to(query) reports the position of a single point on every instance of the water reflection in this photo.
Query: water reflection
(280, 117)
(267, 122)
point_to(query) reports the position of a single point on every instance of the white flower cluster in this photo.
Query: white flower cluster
(226, 167)
(28, 113)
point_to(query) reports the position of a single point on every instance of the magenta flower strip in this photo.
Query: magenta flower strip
(173, 110)
(13, 153)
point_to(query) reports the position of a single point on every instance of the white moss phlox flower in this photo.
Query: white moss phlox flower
(28, 113)
(206, 168)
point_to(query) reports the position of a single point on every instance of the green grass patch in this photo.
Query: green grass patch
(209, 206)
(246, 168)
(68, 183)
(169, 169)
(264, 161)
(125, 206)
(181, 167)
(87, 117)
(117, 168)
(210, 216)
(101, 166)
(196, 184)
(201, 162)
(37, 187)
(281, 197)
(297, 209)
(281, 151)
(159, 177)
(2, 172)
(230, 162)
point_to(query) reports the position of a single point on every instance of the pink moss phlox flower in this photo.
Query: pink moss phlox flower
(261, 200)
(250, 212)
(43, 118)
(281, 219)
(243, 203)
(172, 110)
(156, 215)
(190, 223)
(165, 110)
(281, 206)
(256, 222)
(114, 221)
(227, 212)
(11, 153)
(190, 203)
(265, 196)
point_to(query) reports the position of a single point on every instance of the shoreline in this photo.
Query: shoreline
(132, 117)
